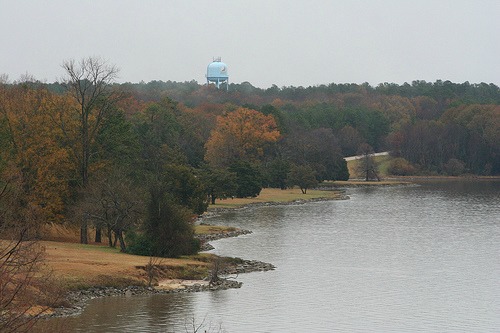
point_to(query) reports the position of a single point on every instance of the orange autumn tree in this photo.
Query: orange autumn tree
(34, 151)
(240, 135)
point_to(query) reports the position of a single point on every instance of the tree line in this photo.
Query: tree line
(134, 163)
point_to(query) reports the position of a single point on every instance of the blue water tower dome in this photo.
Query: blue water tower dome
(217, 73)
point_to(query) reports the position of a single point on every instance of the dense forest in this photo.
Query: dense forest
(134, 162)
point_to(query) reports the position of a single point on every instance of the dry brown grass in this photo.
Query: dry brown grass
(212, 229)
(79, 266)
(354, 183)
(275, 195)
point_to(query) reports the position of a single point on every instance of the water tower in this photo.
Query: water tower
(217, 73)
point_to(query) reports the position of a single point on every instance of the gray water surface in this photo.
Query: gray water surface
(391, 259)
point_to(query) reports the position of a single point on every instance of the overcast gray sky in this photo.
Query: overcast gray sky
(264, 42)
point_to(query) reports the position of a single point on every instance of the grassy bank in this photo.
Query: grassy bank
(78, 266)
(357, 183)
(382, 163)
(274, 195)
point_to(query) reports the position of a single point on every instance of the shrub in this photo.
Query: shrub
(454, 167)
(303, 176)
(401, 167)
(249, 179)
(168, 229)
(138, 244)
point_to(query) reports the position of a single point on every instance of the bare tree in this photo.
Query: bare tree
(89, 83)
(19, 263)
(153, 269)
(367, 165)
(24, 295)
(215, 272)
(193, 327)
(4, 78)
(220, 266)
(111, 202)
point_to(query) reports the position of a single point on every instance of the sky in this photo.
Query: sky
(264, 42)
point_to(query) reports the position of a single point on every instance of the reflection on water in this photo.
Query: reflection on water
(394, 259)
(135, 314)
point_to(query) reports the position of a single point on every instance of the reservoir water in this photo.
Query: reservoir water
(420, 258)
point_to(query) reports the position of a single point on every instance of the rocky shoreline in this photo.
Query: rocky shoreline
(77, 300)
(216, 211)
(206, 238)
(361, 183)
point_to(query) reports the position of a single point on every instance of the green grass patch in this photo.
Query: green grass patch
(382, 163)
(92, 247)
